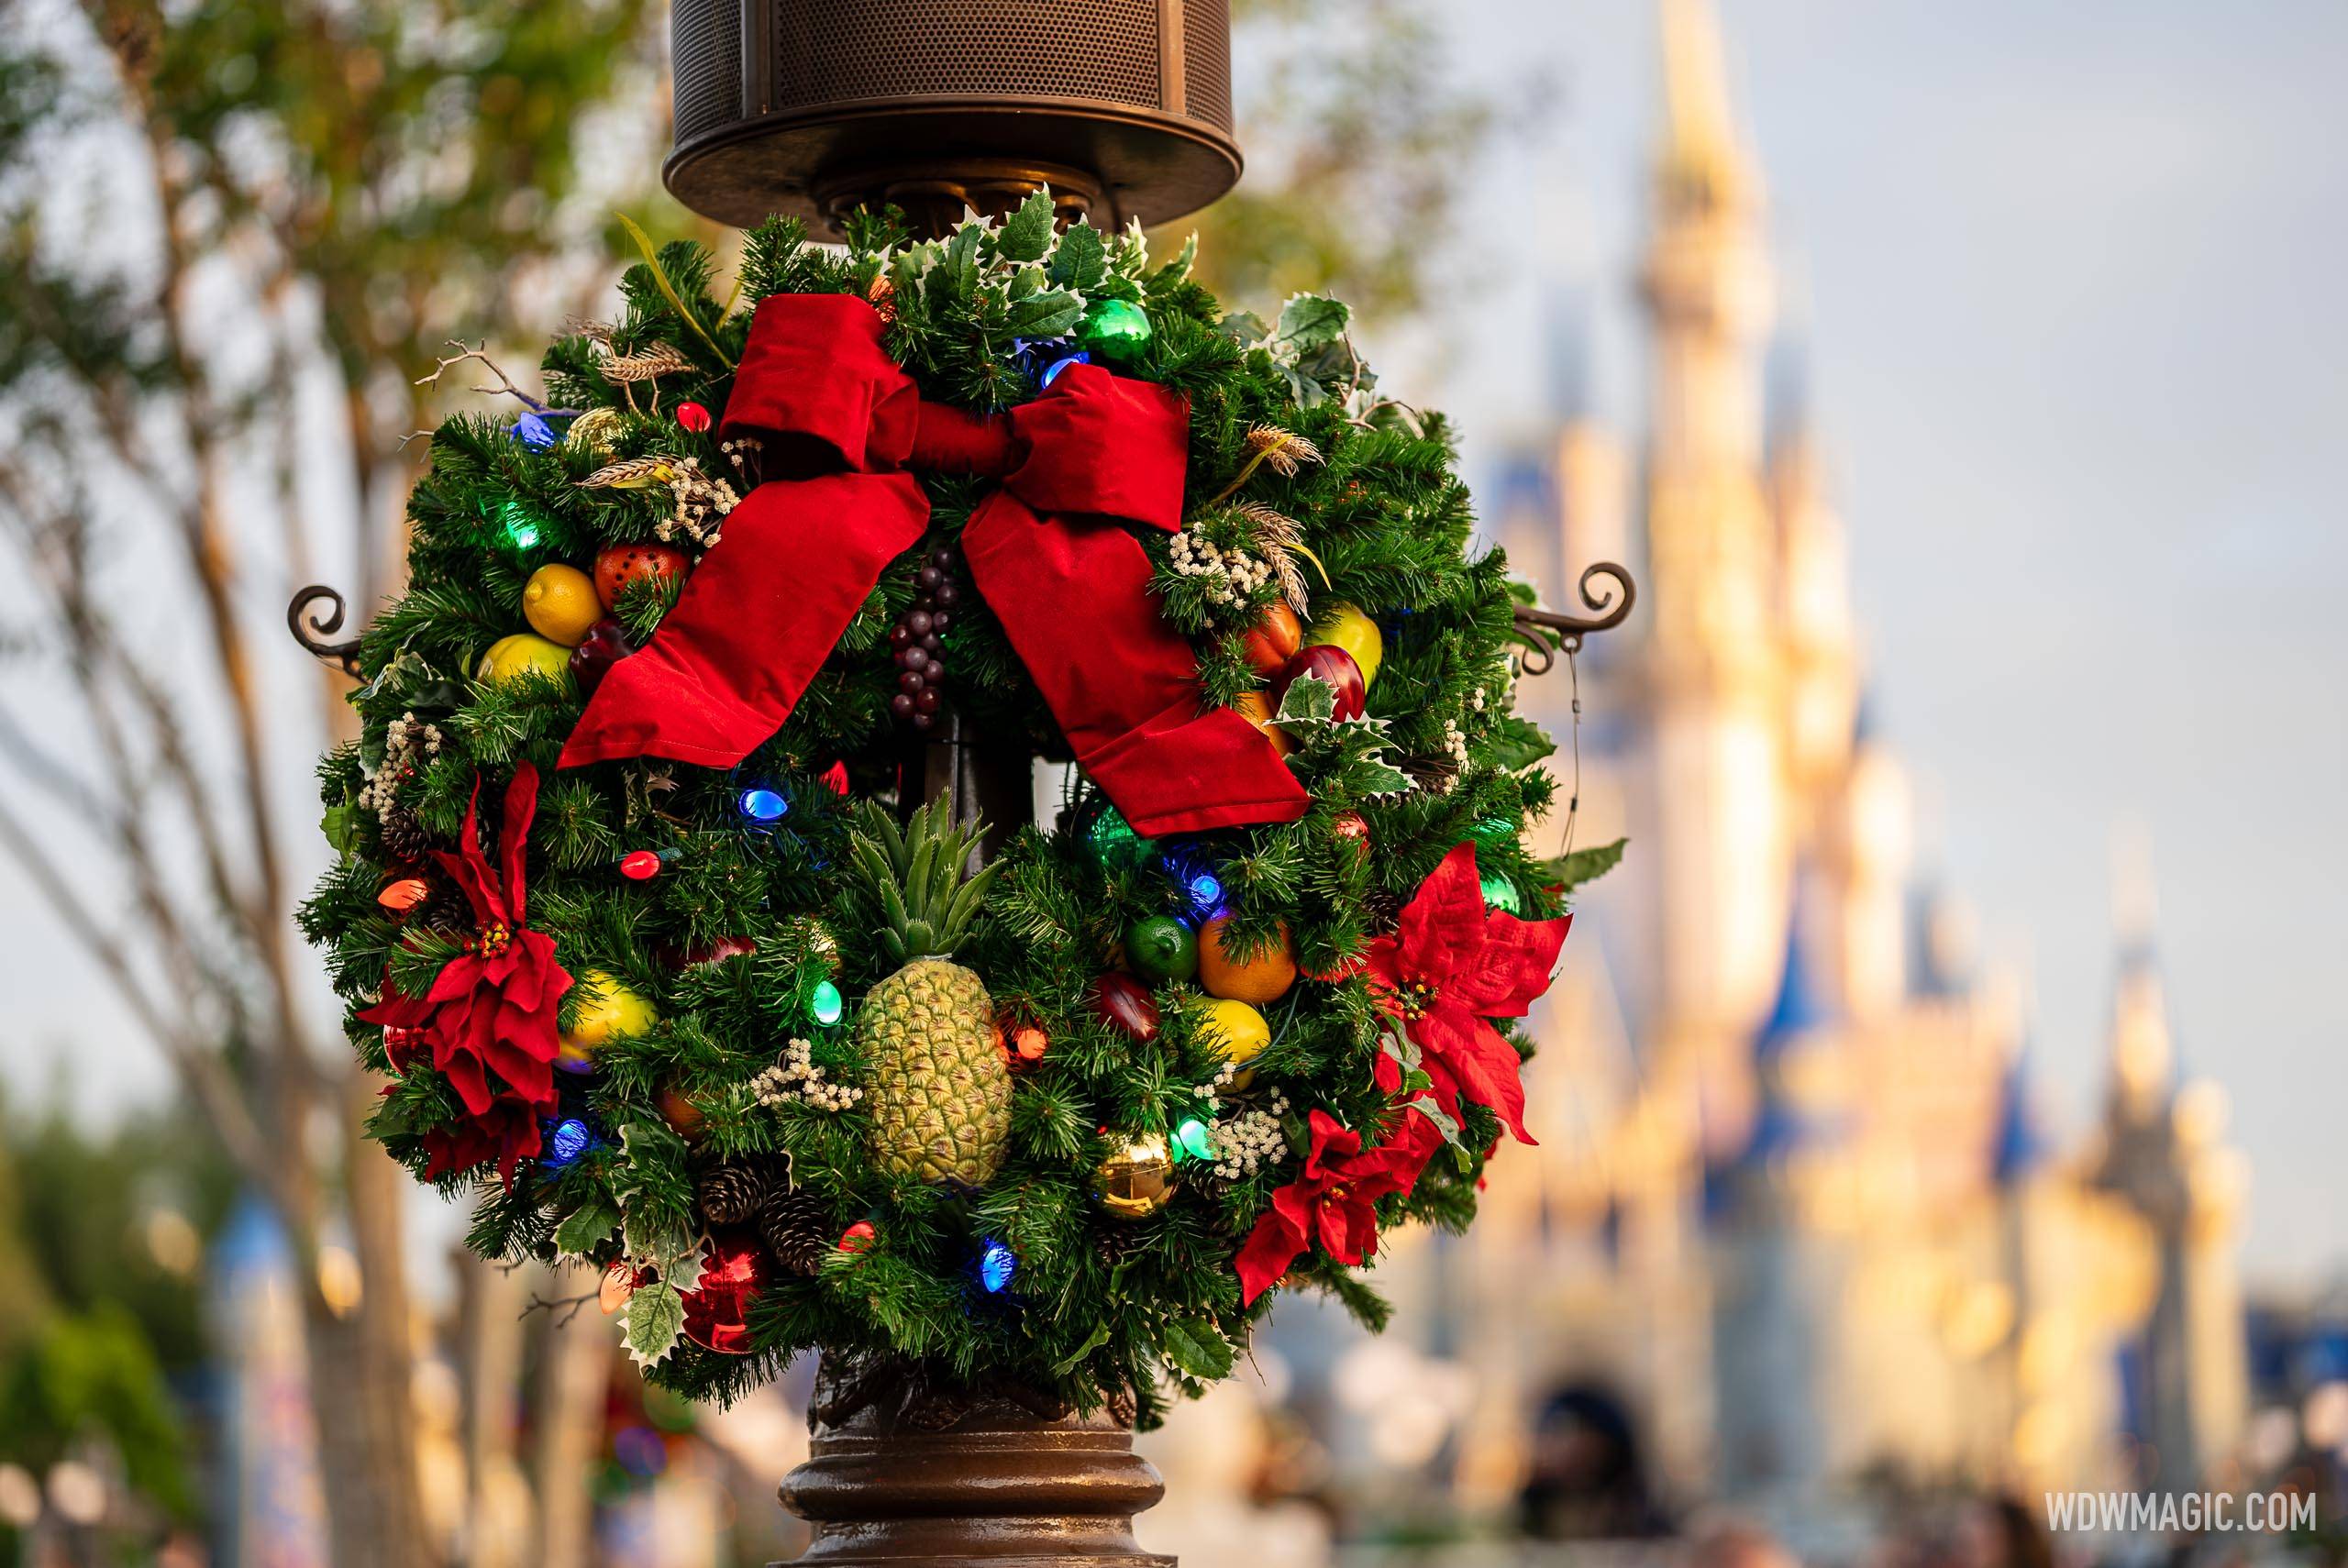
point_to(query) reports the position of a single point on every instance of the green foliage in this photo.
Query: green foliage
(913, 878)
(1292, 456)
(1357, 131)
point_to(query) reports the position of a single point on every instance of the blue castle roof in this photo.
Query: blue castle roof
(2016, 1146)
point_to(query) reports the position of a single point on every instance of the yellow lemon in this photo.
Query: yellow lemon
(559, 602)
(607, 1011)
(1344, 626)
(1239, 1032)
(510, 657)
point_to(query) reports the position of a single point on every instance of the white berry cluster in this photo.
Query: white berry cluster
(797, 1080)
(1230, 577)
(1455, 744)
(407, 747)
(1249, 1141)
(702, 504)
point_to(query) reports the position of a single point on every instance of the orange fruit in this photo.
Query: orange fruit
(1273, 640)
(1256, 709)
(1256, 979)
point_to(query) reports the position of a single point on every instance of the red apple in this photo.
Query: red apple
(1272, 641)
(604, 646)
(617, 566)
(1123, 1002)
(1336, 666)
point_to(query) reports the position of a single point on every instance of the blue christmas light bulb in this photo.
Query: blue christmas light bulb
(565, 1142)
(532, 431)
(997, 1264)
(824, 1002)
(1052, 370)
(761, 805)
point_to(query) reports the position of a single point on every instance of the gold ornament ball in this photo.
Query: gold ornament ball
(1137, 1178)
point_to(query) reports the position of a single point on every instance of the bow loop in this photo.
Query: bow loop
(1102, 446)
(818, 392)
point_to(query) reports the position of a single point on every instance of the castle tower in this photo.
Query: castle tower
(2164, 1159)
(1711, 669)
(1779, 1274)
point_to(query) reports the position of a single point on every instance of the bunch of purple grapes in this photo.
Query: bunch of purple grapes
(919, 640)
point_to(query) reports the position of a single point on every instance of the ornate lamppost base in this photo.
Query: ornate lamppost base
(899, 1475)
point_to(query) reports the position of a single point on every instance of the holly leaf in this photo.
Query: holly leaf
(1027, 234)
(1099, 1337)
(586, 1225)
(340, 824)
(1517, 742)
(1176, 270)
(1570, 871)
(1197, 1347)
(1375, 775)
(1308, 699)
(954, 278)
(1080, 261)
(1309, 323)
(1053, 314)
(652, 1322)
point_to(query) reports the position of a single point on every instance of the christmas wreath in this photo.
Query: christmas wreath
(636, 910)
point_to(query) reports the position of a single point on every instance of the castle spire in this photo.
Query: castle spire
(2143, 1057)
(1701, 159)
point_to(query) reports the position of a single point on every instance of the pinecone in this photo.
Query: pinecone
(797, 1226)
(444, 907)
(405, 838)
(1115, 1244)
(730, 1193)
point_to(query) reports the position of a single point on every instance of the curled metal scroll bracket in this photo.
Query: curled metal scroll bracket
(1544, 632)
(313, 637)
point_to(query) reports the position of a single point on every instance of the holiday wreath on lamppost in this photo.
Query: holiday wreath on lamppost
(638, 913)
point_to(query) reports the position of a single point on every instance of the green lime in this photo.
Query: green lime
(1162, 948)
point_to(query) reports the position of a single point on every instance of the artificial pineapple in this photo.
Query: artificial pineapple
(940, 1089)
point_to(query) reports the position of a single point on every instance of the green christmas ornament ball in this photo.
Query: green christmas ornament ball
(1111, 840)
(1117, 330)
(1501, 893)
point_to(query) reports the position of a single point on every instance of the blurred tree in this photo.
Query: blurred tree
(102, 1234)
(1355, 135)
(229, 235)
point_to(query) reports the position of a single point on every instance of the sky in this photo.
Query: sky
(2068, 283)
(2066, 279)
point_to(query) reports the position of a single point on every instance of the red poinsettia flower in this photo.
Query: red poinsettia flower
(1333, 1203)
(491, 1009)
(1450, 965)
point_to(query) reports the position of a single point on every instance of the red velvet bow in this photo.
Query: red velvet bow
(839, 422)
(491, 1007)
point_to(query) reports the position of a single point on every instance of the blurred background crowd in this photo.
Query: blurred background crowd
(1858, 1221)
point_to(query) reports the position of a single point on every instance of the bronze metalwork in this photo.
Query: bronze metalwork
(817, 106)
(313, 639)
(1544, 632)
(907, 1468)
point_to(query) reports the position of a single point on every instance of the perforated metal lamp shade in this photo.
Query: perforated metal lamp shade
(815, 107)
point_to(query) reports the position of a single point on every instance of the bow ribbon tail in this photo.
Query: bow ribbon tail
(1074, 600)
(757, 618)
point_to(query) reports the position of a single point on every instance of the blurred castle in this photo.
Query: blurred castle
(1791, 1205)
